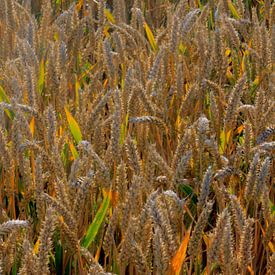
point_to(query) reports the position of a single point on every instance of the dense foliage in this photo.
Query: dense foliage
(137, 137)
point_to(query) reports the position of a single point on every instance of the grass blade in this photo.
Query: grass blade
(150, 37)
(180, 255)
(233, 10)
(74, 127)
(95, 225)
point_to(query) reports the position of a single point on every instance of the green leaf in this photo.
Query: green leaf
(272, 207)
(4, 98)
(182, 49)
(58, 256)
(200, 5)
(95, 225)
(14, 269)
(188, 191)
(65, 154)
(74, 127)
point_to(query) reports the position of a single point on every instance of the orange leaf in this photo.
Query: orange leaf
(32, 126)
(180, 255)
(197, 106)
(79, 5)
(114, 198)
(228, 136)
(240, 129)
(250, 270)
(74, 151)
(105, 83)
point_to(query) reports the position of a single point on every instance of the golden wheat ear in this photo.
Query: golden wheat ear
(12, 225)
(245, 248)
(195, 240)
(215, 250)
(29, 261)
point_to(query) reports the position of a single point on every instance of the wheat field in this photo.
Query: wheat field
(137, 137)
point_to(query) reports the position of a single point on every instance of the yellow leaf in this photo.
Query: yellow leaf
(109, 16)
(178, 122)
(55, 36)
(187, 86)
(106, 31)
(180, 255)
(256, 81)
(61, 131)
(123, 73)
(242, 67)
(182, 48)
(233, 10)
(206, 240)
(105, 192)
(32, 123)
(227, 52)
(75, 130)
(61, 219)
(192, 164)
(223, 142)
(150, 37)
(229, 75)
(36, 247)
(77, 87)
(271, 246)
